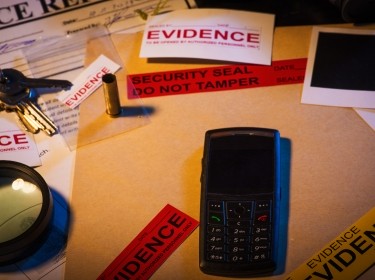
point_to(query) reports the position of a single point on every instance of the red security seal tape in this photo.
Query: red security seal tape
(230, 77)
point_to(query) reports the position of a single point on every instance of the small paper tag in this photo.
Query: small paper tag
(152, 246)
(88, 81)
(345, 257)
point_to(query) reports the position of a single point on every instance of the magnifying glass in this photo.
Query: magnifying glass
(25, 211)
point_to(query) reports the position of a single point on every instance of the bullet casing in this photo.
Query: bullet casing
(111, 95)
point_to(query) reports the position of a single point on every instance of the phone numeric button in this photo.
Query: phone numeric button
(215, 238)
(261, 239)
(261, 229)
(238, 231)
(237, 249)
(238, 258)
(260, 248)
(215, 248)
(238, 240)
(214, 229)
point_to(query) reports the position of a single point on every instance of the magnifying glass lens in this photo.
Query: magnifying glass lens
(25, 210)
(20, 205)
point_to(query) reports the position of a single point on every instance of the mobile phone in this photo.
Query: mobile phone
(240, 197)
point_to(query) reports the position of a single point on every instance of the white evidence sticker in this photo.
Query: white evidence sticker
(88, 81)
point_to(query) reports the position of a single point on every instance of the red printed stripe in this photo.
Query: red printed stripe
(219, 78)
(152, 246)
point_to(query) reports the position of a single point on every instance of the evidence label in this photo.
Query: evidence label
(345, 257)
(152, 246)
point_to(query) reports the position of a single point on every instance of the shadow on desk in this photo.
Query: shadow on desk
(285, 165)
(132, 111)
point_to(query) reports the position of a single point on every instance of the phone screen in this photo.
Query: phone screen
(241, 164)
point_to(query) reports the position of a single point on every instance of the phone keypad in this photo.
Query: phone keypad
(239, 231)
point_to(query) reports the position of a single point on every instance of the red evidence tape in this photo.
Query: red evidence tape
(152, 246)
(231, 77)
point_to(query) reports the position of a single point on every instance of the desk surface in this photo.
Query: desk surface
(122, 182)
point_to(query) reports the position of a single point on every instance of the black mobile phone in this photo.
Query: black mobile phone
(240, 196)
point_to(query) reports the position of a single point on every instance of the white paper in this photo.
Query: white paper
(215, 34)
(88, 81)
(368, 115)
(333, 96)
(16, 144)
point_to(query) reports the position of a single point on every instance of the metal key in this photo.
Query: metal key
(15, 86)
(15, 93)
(23, 120)
(36, 118)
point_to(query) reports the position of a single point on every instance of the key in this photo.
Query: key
(36, 117)
(15, 86)
(34, 114)
(25, 121)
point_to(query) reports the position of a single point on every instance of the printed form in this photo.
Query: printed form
(23, 24)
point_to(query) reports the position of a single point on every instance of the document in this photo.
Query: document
(24, 24)
(45, 19)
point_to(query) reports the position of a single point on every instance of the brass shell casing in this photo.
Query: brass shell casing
(111, 95)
